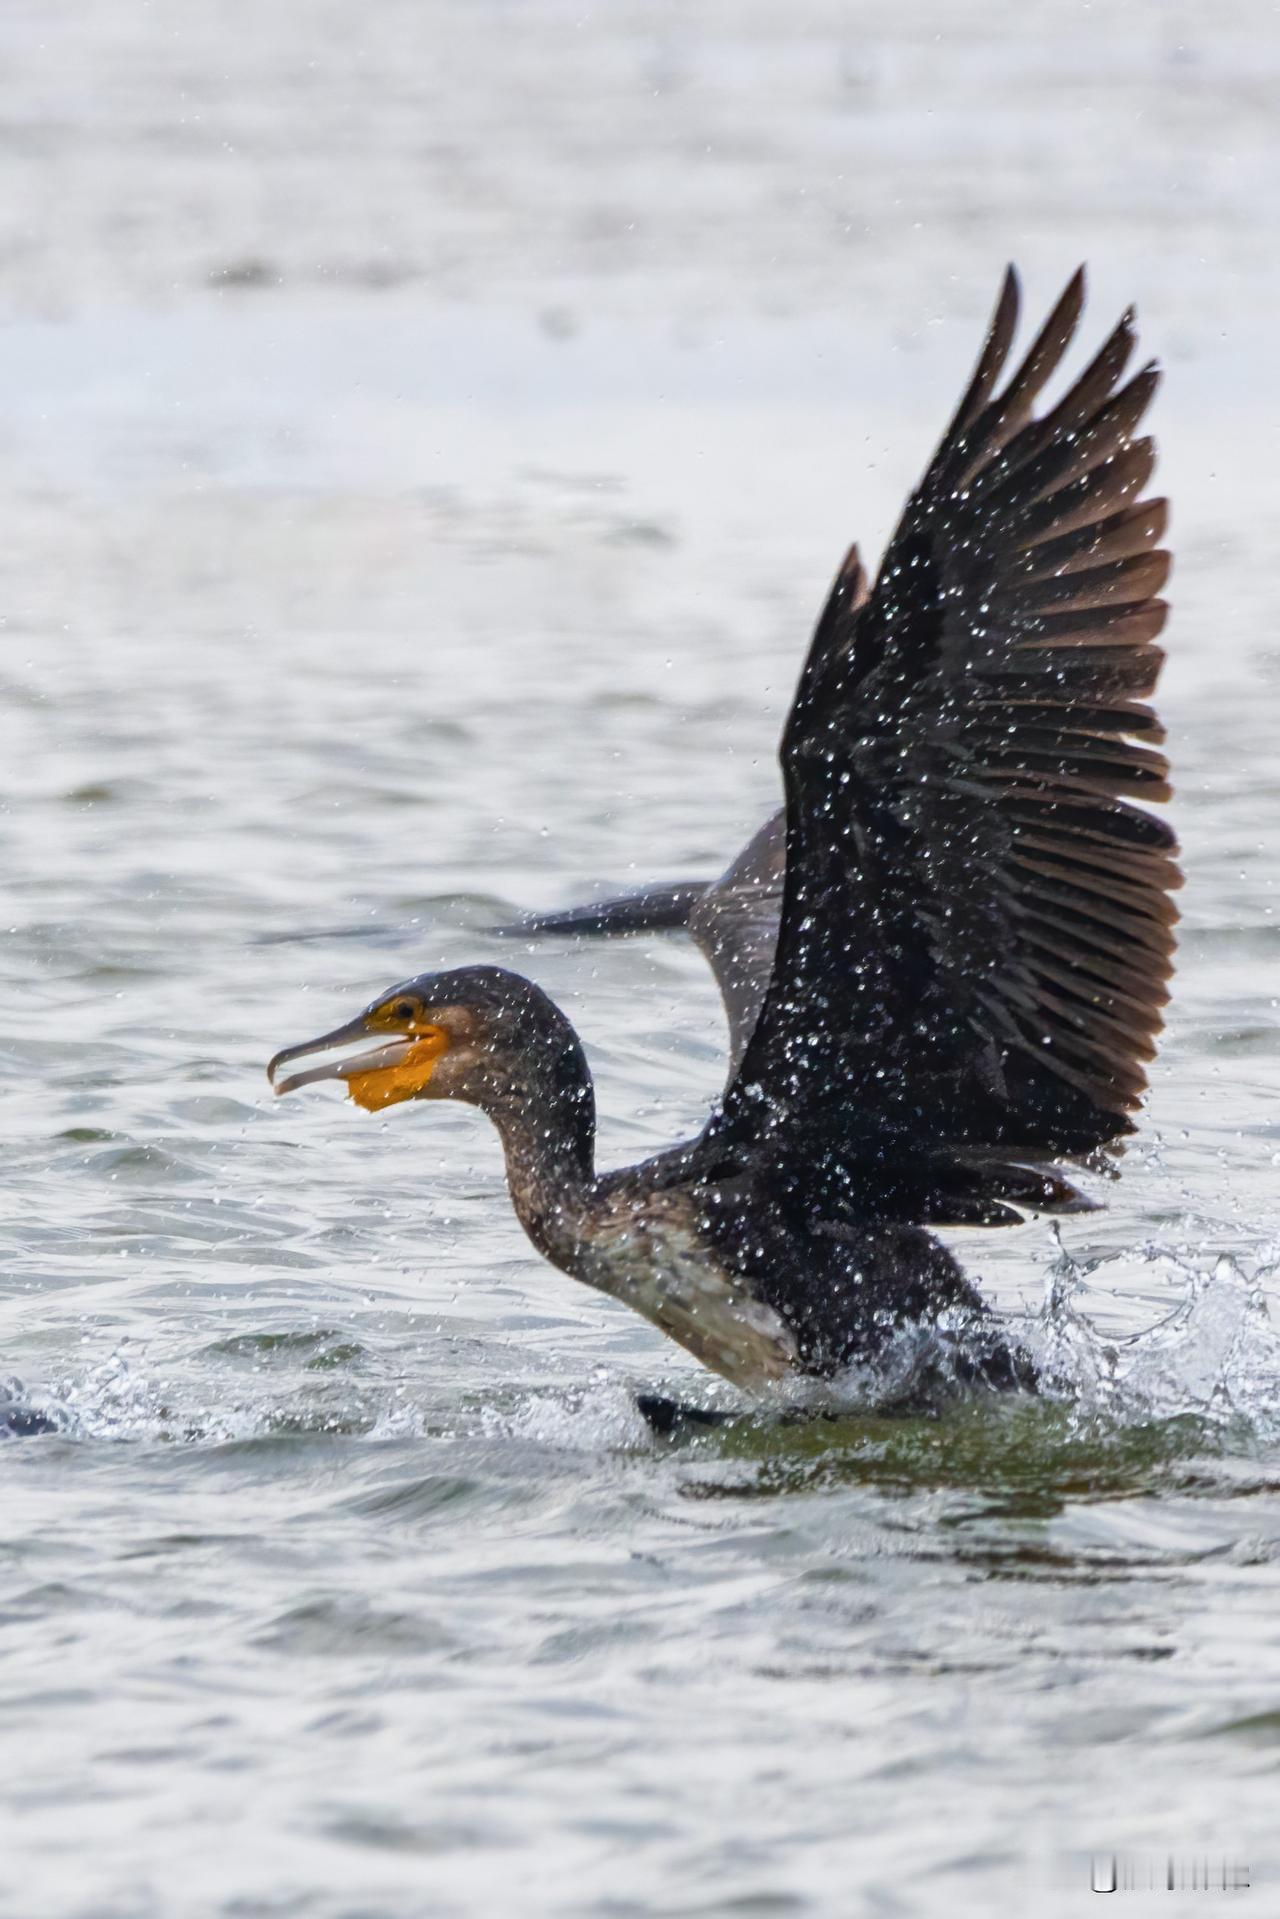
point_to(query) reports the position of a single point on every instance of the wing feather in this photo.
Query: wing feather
(976, 922)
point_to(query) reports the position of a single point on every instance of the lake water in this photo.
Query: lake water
(426, 435)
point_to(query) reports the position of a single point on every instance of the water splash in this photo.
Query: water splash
(601, 1415)
(122, 1399)
(1214, 1356)
(118, 1399)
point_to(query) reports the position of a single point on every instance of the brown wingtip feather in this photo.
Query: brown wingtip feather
(1075, 604)
(851, 577)
(995, 350)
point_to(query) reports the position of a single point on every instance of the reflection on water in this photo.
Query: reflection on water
(422, 461)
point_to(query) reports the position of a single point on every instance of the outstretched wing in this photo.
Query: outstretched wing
(735, 923)
(665, 908)
(976, 925)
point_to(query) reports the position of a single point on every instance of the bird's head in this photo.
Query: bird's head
(466, 1035)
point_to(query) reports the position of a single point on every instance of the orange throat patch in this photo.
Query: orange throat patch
(388, 1085)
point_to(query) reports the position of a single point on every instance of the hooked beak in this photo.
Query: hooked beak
(394, 1070)
(347, 1035)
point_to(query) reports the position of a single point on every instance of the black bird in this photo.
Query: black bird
(967, 967)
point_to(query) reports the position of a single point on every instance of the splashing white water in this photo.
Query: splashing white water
(1214, 1356)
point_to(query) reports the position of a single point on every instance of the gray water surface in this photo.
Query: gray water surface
(425, 442)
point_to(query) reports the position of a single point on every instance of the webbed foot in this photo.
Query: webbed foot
(665, 1416)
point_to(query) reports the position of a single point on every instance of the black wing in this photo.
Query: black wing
(735, 923)
(976, 925)
(666, 908)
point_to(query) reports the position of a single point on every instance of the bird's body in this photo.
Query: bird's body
(944, 961)
(715, 1257)
(760, 1295)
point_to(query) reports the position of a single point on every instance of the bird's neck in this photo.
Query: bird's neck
(547, 1123)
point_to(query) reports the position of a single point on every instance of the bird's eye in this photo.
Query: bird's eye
(404, 1009)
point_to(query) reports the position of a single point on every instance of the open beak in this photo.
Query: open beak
(389, 1054)
(379, 1076)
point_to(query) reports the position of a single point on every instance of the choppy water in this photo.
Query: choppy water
(424, 444)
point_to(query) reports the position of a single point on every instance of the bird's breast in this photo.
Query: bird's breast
(664, 1269)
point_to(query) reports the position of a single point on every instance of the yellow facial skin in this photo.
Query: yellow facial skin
(387, 1085)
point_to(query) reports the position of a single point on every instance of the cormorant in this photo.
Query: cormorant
(965, 972)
